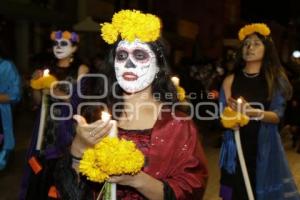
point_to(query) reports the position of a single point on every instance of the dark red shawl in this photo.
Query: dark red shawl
(177, 157)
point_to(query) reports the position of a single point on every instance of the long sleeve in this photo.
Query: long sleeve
(274, 178)
(189, 179)
(10, 80)
(177, 157)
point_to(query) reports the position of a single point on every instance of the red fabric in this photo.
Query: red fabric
(53, 192)
(176, 156)
(35, 165)
(142, 140)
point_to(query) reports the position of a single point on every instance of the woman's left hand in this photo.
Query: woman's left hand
(244, 107)
(129, 180)
(239, 105)
(147, 185)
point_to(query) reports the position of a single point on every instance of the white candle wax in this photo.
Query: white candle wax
(114, 129)
(105, 116)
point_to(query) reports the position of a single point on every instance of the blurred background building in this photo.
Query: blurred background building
(201, 29)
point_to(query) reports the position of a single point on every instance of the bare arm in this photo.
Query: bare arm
(254, 113)
(265, 116)
(83, 69)
(227, 86)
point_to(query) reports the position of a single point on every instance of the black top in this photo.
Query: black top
(253, 88)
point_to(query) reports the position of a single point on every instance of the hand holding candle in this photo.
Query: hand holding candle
(180, 90)
(43, 82)
(232, 118)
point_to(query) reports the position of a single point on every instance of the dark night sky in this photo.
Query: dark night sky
(280, 11)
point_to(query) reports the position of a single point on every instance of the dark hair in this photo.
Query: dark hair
(271, 67)
(161, 85)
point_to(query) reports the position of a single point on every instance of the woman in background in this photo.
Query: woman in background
(57, 133)
(10, 93)
(260, 80)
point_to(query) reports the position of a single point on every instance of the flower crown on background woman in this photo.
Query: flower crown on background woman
(249, 29)
(72, 36)
(131, 25)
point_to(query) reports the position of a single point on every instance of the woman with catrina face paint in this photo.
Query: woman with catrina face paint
(261, 83)
(140, 97)
(57, 133)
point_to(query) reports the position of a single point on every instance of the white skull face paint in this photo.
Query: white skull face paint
(63, 48)
(135, 66)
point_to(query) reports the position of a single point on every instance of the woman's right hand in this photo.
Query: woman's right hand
(37, 74)
(87, 135)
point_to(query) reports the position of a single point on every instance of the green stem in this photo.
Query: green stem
(103, 189)
(107, 195)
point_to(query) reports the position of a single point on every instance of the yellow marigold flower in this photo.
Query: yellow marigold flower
(260, 28)
(111, 156)
(43, 82)
(48, 80)
(89, 167)
(232, 119)
(180, 93)
(109, 33)
(117, 157)
(131, 25)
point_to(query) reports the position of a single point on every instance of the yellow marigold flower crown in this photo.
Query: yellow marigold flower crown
(249, 29)
(131, 25)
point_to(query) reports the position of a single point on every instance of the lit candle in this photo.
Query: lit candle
(239, 106)
(113, 132)
(175, 80)
(114, 129)
(239, 100)
(105, 116)
(46, 72)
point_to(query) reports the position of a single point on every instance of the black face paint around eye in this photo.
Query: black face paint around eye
(140, 54)
(121, 55)
(55, 43)
(60, 43)
(63, 43)
(129, 64)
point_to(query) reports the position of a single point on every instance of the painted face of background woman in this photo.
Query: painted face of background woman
(63, 48)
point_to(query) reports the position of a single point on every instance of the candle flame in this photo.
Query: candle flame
(175, 80)
(46, 72)
(239, 100)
